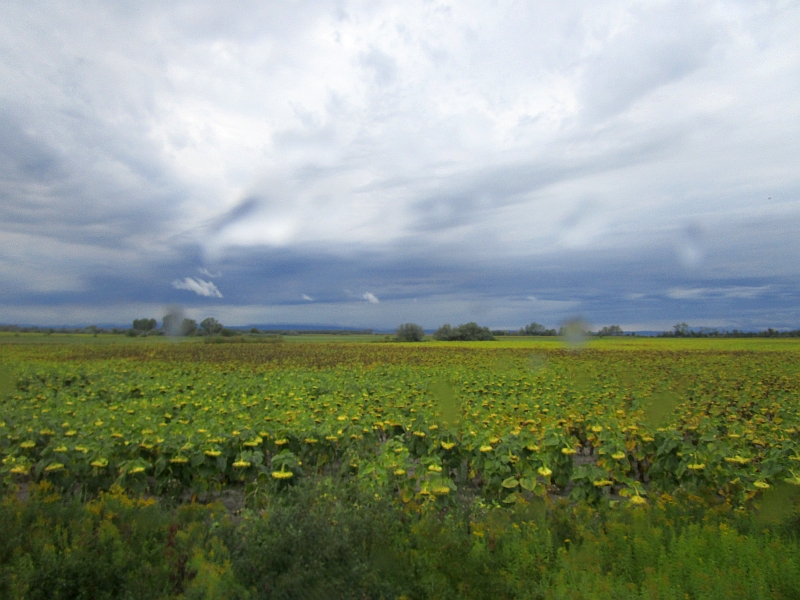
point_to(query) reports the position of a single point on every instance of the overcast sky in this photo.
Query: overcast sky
(371, 163)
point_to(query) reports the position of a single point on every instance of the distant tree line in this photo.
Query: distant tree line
(176, 324)
(411, 332)
(468, 332)
(683, 330)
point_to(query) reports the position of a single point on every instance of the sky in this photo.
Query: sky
(366, 164)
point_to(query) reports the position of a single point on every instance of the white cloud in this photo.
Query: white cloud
(198, 286)
(371, 298)
(703, 293)
(307, 298)
(207, 273)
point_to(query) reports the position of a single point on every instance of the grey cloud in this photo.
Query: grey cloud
(22, 156)
(383, 66)
(245, 208)
(663, 44)
(616, 160)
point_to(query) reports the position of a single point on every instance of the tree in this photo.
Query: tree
(211, 326)
(467, 332)
(473, 332)
(189, 327)
(680, 330)
(409, 332)
(444, 333)
(536, 329)
(611, 330)
(144, 325)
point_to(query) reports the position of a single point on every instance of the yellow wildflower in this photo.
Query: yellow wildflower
(602, 483)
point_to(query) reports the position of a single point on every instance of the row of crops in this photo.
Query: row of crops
(428, 422)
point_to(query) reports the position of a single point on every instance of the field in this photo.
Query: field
(622, 425)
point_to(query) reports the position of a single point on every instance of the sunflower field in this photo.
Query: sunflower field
(427, 423)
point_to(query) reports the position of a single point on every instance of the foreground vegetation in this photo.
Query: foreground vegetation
(629, 468)
(325, 539)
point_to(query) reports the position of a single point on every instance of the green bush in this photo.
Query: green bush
(468, 332)
(409, 332)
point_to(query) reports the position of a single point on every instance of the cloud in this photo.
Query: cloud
(198, 286)
(466, 155)
(307, 298)
(371, 298)
(739, 292)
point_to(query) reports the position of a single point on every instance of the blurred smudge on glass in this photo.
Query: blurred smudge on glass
(7, 380)
(447, 403)
(503, 364)
(659, 408)
(689, 246)
(574, 333)
(172, 322)
(536, 363)
(778, 503)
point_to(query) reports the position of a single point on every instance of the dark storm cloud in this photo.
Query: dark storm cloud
(503, 163)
